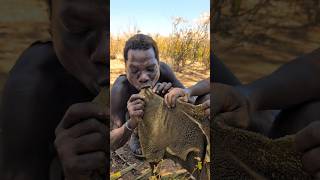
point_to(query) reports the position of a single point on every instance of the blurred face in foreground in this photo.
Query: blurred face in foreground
(79, 34)
(142, 68)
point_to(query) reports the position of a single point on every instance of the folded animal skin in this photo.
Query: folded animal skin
(177, 131)
(240, 154)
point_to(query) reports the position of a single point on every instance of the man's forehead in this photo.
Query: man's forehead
(84, 7)
(135, 64)
(140, 53)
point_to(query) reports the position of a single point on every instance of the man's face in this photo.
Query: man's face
(142, 68)
(79, 32)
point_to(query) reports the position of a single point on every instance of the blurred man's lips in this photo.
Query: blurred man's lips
(145, 86)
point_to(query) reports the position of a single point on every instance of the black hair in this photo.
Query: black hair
(141, 42)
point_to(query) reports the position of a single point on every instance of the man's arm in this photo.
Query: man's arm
(293, 83)
(26, 132)
(200, 88)
(119, 98)
(26, 122)
(120, 102)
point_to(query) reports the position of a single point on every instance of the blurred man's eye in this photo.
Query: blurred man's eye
(79, 31)
(134, 71)
(75, 28)
(151, 68)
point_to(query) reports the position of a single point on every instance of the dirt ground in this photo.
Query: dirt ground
(252, 60)
(124, 158)
(256, 43)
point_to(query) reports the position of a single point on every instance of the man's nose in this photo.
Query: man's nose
(144, 78)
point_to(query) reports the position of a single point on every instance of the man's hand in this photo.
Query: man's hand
(230, 106)
(162, 88)
(171, 97)
(307, 141)
(135, 106)
(81, 140)
(206, 107)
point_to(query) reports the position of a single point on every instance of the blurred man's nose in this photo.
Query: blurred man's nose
(144, 78)
(100, 53)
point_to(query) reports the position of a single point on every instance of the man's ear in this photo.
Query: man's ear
(125, 66)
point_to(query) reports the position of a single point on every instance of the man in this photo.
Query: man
(294, 89)
(47, 97)
(143, 68)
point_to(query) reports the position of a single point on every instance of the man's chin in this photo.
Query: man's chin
(104, 82)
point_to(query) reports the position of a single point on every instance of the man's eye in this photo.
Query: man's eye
(79, 31)
(150, 69)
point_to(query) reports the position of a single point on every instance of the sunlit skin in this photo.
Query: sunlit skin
(293, 89)
(47, 109)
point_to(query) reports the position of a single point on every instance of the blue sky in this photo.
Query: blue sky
(153, 16)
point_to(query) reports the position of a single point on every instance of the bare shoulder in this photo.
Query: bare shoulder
(167, 75)
(165, 68)
(120, 85)
(34, 69)
(120, 90)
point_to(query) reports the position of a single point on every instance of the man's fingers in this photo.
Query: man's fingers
(160, 87)
(308, 137)
(138, 101)
(138, 113)
(174, 100)
(79, 112)
(91, 142)
(206, 104)
(155, 88)
(166, 88)
(311, 160)
(86, 127)
(223, 98)
(138, 107)
(230, 119)
(135, 97)
(90, 161)
(135, 106)
(217, 105)
(207, 112)
(166, 99)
